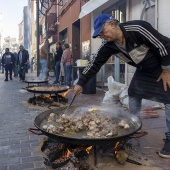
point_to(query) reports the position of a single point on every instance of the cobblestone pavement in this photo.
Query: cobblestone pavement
(18, 147)
(20, 150)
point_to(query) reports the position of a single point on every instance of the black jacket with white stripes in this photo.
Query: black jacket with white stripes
(147, 49)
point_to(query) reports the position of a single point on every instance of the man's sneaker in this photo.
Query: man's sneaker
(6, 80)
(165, 151)
(55, 82)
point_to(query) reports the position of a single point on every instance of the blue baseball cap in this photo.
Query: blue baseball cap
(99, 23)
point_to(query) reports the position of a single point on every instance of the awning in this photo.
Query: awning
(91, 6)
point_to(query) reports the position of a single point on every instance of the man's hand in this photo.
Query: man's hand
(77, 90)
(165, 77)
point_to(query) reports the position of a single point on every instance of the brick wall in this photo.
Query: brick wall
(70, 16)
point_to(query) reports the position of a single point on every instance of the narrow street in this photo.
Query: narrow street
(17, 145)
(19, 149)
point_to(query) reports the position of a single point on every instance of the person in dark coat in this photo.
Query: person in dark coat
(8, 59)
(22, 62)
(58, 54)
(140, 45)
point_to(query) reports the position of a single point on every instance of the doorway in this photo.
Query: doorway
(76, 40)
(76, 44)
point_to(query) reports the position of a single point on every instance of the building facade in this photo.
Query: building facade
(11, 43)
(71, 21)
(153, 11)
(21, 33)
(26, 28)
(33, 29)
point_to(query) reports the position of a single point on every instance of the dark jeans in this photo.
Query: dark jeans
(68, 72)
(135, 108)
(57, 71)
(22, 70)
(8, 68)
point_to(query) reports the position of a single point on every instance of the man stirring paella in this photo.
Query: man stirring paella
(140, 45)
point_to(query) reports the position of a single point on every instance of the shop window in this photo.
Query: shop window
(63, 36)
(118, 10)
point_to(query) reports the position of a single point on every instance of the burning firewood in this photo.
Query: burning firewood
(121, 156)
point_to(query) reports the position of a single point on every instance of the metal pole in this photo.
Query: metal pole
(47, 40)
(38, 40)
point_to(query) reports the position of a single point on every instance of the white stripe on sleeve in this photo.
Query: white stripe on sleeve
(149, 36)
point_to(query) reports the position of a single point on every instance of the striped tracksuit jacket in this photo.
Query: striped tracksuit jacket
(146, 49)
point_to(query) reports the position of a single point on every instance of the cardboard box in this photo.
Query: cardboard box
(82, 62)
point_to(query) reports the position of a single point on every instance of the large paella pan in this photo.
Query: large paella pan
(133, 121)
(47, 89)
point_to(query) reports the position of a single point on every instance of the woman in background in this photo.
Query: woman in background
(67, 60)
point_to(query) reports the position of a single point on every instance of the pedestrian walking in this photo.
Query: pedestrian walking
(8, 60)
(22, 62)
